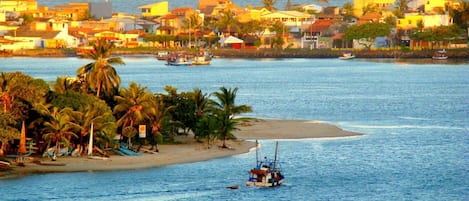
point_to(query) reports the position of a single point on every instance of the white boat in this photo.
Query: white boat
(440, 55)
(202, 58)
(266, 173)
(178, 59)
(347, 55)
(4, 165)
(162, 55)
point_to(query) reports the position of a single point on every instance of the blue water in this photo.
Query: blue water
(415, 118)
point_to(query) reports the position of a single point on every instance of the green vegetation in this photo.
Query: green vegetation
(61, 114)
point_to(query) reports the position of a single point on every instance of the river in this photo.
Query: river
(415, 117)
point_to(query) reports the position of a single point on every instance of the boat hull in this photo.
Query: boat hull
(201, 63)
(347, 58)
(4, 165)
(440, 58)
(179, 64)
(264, 184)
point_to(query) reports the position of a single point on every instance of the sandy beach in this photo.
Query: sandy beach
(188, 152)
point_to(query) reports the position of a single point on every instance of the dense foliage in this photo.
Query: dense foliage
(64, 115)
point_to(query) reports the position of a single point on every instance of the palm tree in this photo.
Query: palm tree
(58, 127)
(207, 127)
(159, 115)
(227, 21)
(101, 75)
(226, 109)
(7, 130)
(133, 106)
(192, 22)
(82, 119)
(269, 4)
(402, 7)
(201, 101)
(461, 14)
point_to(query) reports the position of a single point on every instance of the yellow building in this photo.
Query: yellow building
(252, 14)
(18, 6)
(360, 5)
(155, 10)
(417, 20)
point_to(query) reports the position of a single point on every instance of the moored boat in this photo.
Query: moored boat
(162, 55)
(178, 59)
(4, 165)
(202, 58)
(267, 173)
(440, 55)
(347, 55)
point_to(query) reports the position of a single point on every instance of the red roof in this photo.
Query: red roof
(320, 25)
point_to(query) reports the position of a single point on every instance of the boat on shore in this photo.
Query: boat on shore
(4, 165)
(440, 55)
(347, 55)
(178, 59)
(267, 173)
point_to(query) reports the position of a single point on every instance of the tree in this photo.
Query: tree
(133, 105)
(280, 31)
(100, 115)
(18, 94)
(225, 108)
(367, 33)
(207, 127)
(288, 5)
(461, 14)
(227, 21)
(402, 7)
(347, 11)
(159, 116)
(192, 22)
(8, 131)
(101, 75)
(201, 101)
(269, 4)
(58, 128)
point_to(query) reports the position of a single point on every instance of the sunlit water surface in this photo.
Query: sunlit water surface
(415, 117)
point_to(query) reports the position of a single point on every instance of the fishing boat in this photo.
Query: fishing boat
(347, 55)
(267, 173)
(440, 55)
(178, 59)
(162, 55)
(202, 58)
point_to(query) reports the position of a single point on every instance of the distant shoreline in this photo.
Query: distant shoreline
(188, 152)
(254, 53)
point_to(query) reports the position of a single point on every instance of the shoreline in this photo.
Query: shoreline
(189, 152)
(259, 53)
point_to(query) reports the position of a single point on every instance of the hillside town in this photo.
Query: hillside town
(361, 24)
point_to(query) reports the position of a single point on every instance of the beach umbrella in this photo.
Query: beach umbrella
(22, 148)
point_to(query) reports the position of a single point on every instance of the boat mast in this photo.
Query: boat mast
(275, 158)
(257, 155)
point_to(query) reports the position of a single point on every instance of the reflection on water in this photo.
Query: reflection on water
(419, 61)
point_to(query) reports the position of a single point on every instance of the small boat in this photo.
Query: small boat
(440, 55)
(267, 173)
(162, 55)
(178, 59)
(202, 58)
(347, 56)
(4, 165)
